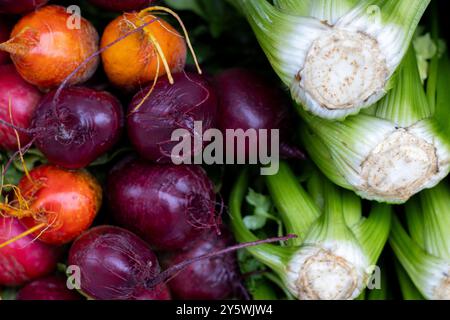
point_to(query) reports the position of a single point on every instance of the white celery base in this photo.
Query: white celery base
(343, 70)
(400, 166)
(318, 273)
(442, 291)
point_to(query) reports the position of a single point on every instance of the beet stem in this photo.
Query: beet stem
(168, 273)
(23, 235)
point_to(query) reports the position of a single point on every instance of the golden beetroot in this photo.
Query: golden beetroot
(56, 205)
(139, 58)
(48, 44)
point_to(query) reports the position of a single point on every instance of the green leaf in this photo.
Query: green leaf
(255, 222)
(259, 201)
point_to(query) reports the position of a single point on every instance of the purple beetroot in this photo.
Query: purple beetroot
(248, 101)
(23, 99)
(168, 206)
(170, 107)
(78, 126)
(115, 264)
(48, 288)
(214, 279)
(25, 259)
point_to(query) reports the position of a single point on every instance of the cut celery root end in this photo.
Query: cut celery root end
(343, 70)
(400, 166)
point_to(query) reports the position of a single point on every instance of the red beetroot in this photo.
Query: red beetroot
(248, 101)
(115, 264)
(5, 30)
(49, 288)
(24, 99)
(20, 6)
(25, 259)
(122, 5)
(170, 107)
(168, 206)
(212, 279)
(78, 126)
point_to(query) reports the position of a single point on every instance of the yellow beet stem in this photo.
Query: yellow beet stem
(152, 88)
(186, 34)
(23, 235)
(27, 173)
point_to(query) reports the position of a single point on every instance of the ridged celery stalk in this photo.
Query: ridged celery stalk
(337, 57)
(338, 246)
(425, 252)
(390, 151)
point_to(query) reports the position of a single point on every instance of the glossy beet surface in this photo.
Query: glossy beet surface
(170, 107)
(46, 51)
(20, 6)
(65, 201)
(49, 288)
(25, 259)
(213, 279)
(248, 101)
(23, 99)
(122, 5)
(78, 127)
(5, 30)
(168, 206)
(132, 63)
(115, 264)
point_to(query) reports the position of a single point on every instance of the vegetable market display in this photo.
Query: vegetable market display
(94, 205)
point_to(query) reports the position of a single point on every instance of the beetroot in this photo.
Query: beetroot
(25, 259)
(169, 206)
(20, 6)
(5, 31)
(24, 99)
(213, 279)
(247, 101)
(115, 264)
(122, 5)
(49, 288)
(78, 126)
(170, 107)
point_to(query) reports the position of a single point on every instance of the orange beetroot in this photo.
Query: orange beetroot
(135, 60)
(45, 50)
(60, 203)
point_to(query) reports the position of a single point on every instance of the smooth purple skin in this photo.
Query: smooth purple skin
(24, 99)
(212, 279)
(5, 31)
(170, 107)
(90, 123)
(122, 5)
(115, 264)
(20, 6)
(168, 206)
(247, 101)
(49, 288)
(25, 259)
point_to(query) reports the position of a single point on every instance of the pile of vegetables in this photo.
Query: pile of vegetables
(95, 205)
